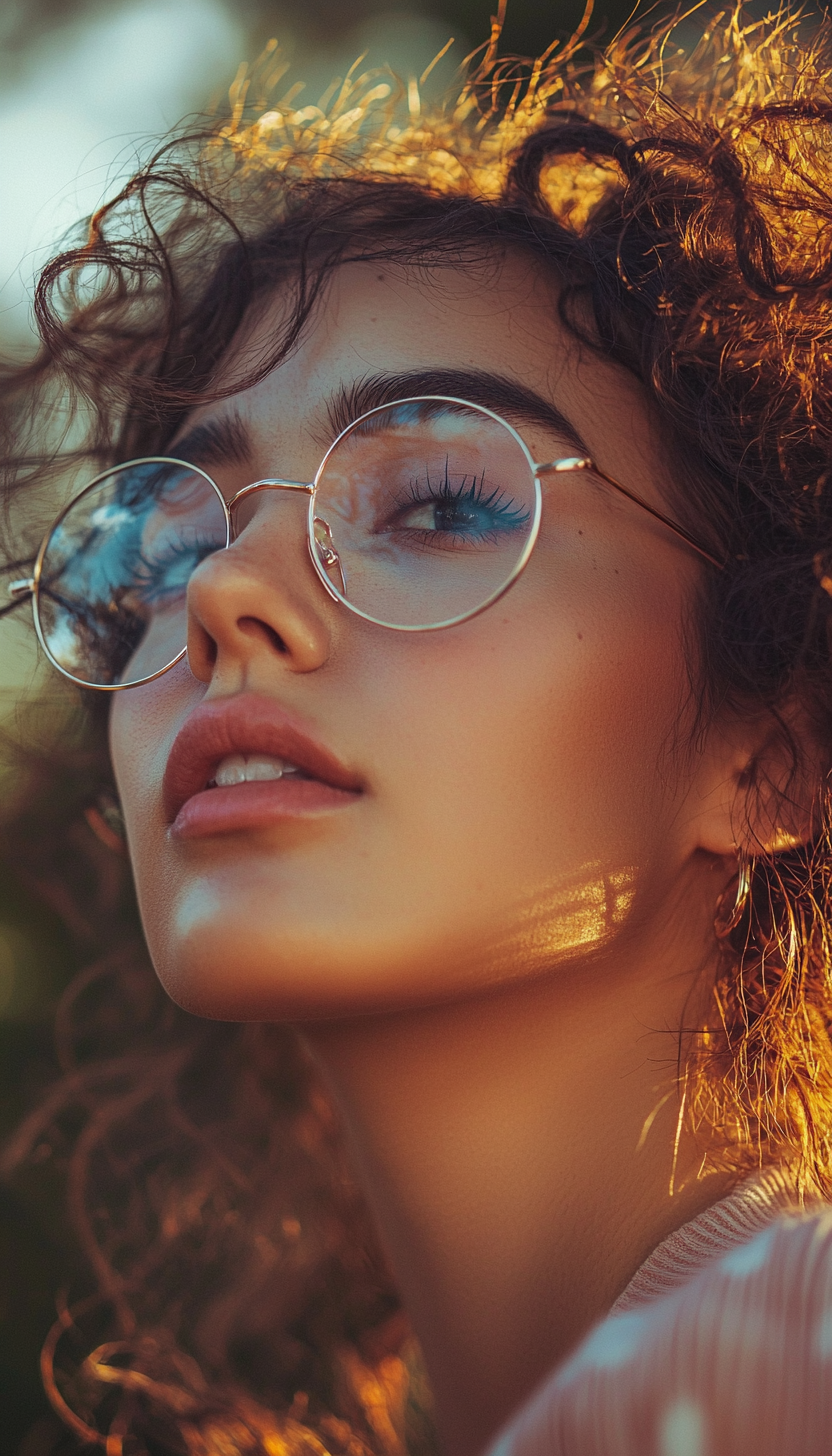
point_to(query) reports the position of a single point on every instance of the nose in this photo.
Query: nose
(258, 604)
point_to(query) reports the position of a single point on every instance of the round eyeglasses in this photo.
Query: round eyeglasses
(422, 514)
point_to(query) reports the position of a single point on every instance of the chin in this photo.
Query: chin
(227, 978)
(226, 972)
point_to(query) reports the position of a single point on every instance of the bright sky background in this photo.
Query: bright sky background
(91, 96)
(86, 97)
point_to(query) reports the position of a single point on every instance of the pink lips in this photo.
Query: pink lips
(247, 724)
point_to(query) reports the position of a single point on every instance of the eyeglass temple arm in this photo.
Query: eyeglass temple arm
(577, 462)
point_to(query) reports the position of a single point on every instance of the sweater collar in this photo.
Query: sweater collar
(748, 1209)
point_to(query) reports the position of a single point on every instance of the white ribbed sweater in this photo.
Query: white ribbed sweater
(721, 1345)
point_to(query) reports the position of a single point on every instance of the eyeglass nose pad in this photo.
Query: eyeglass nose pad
(327, 555)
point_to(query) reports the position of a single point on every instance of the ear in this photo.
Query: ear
(760, 783)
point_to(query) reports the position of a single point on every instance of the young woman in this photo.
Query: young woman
(456, 583)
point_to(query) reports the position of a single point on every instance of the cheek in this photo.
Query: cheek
(540, 753)
(143, 725)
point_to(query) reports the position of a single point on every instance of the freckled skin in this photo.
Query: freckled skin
(496, 1042)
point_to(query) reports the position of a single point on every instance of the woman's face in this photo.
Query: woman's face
(502, 798)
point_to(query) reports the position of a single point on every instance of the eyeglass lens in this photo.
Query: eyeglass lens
(430, 506)
(114, 574)
(422, 513)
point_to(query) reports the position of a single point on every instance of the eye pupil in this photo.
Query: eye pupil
(450, 516)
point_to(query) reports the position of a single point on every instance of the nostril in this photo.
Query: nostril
(255, 627)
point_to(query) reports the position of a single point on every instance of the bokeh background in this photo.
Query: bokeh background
(86, 86)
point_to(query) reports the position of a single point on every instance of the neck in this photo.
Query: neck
(501, 1146)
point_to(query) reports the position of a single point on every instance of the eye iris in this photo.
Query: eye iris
(458, 516)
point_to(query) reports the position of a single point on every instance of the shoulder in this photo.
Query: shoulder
(736, 1362)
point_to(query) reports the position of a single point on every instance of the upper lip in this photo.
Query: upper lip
(247, 723)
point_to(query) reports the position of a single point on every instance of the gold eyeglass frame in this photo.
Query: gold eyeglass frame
(322, 552)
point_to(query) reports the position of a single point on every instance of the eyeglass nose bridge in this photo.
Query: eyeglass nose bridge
(254, 489)
(321, 548)
(259, 485)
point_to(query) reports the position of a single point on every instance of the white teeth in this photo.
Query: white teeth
(245, 768)
(232, 770)
(261, 766)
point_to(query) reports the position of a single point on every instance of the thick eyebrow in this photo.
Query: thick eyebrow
(505, 396)
(226, 440)
(221, 441)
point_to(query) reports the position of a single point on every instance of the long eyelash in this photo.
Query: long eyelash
(475, 493)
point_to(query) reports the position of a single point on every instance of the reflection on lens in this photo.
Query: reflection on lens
(424, 512)
(113, 577)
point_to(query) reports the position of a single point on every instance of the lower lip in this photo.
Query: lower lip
(257, 806)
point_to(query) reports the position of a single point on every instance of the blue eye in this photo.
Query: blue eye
(462, 507)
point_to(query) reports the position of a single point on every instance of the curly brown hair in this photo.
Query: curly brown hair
(680, 198)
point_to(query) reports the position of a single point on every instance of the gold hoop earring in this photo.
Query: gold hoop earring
(745, 869)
